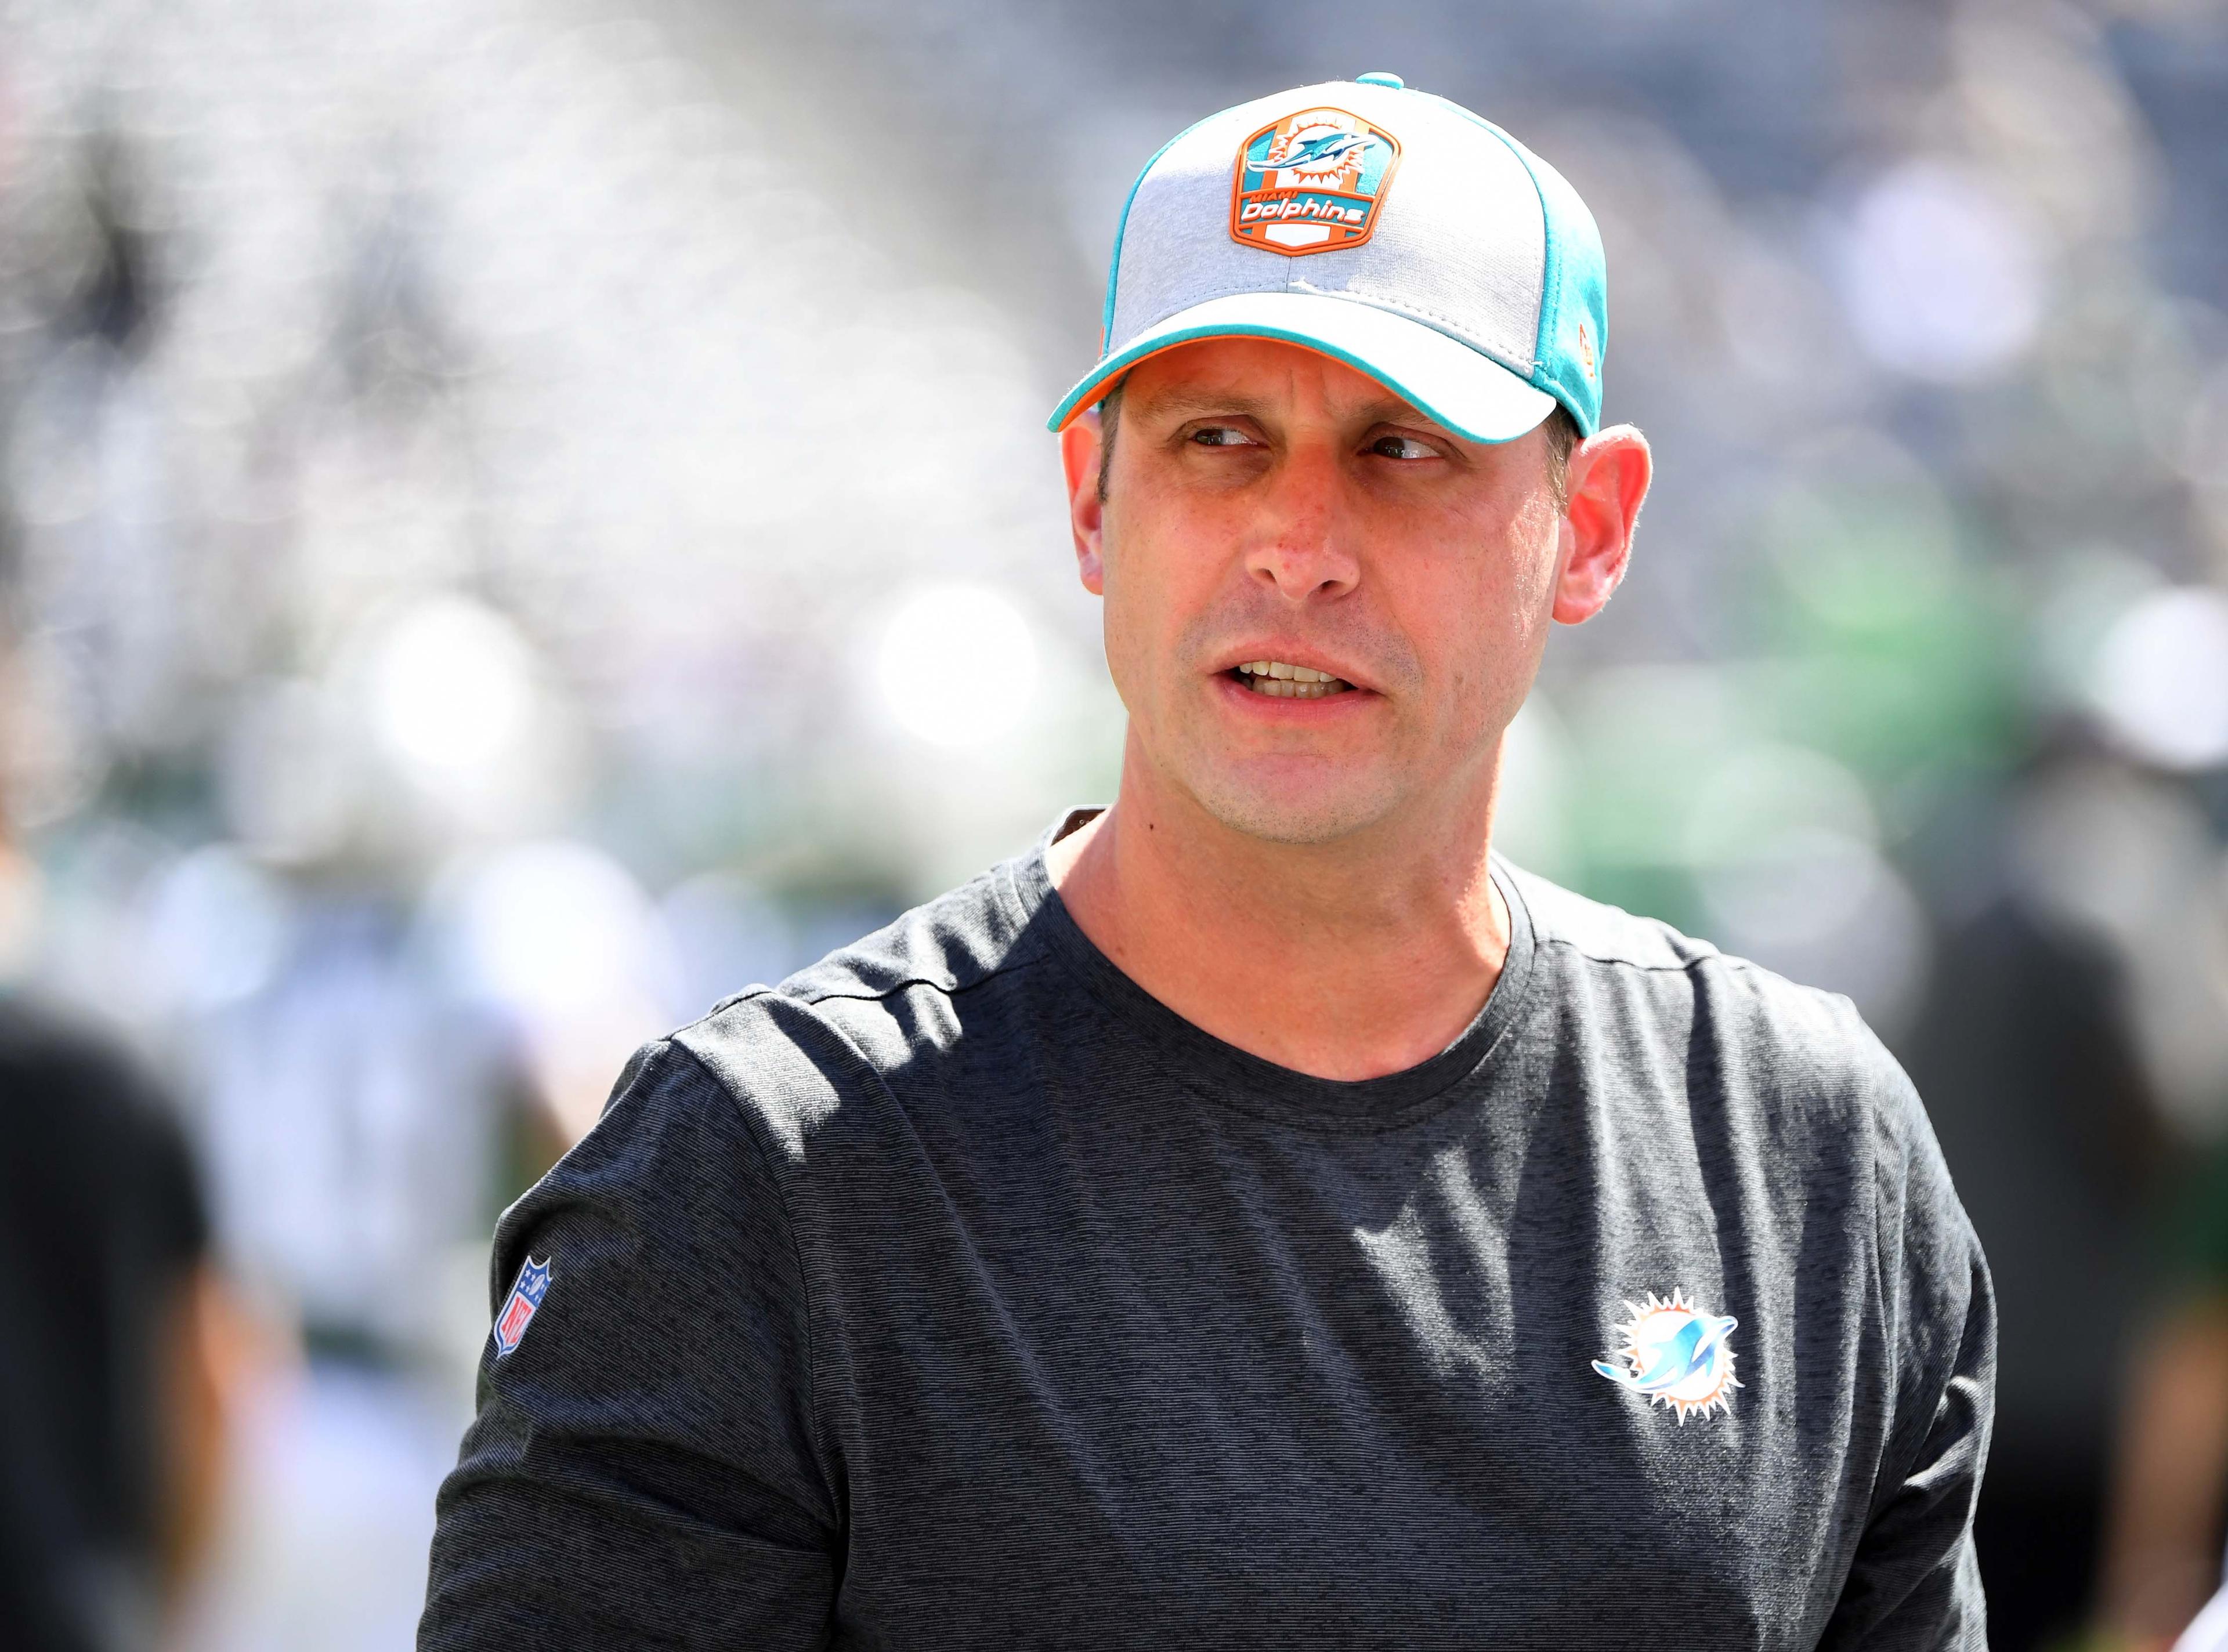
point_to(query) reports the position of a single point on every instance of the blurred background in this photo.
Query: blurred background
(519, 518)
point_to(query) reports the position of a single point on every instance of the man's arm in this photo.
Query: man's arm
(1915, 1582)
(644, 1469)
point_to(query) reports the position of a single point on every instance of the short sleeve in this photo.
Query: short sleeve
(643, 1470)
(1915, 1582)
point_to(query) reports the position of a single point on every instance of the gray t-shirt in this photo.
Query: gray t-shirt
(957, 1293)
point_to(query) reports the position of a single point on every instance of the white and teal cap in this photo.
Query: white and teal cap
(1389, 229)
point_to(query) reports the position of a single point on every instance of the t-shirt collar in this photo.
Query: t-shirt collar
(1240, 1079)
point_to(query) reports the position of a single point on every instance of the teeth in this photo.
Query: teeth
(1281, 681)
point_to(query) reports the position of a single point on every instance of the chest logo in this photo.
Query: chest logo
(1675, 1354)
(1312, 183)
(518, 1311)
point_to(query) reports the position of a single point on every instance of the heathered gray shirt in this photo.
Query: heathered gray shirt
(957, 1293)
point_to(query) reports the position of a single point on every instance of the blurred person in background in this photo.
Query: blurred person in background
(117, 1345)
(2162, 1550)
(358, 1112)
(1260, 1215)
(2024, 1047)
(2075, 1039)
(2103, 1165)
(2162, 1555)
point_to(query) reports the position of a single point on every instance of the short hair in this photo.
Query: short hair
(1109, 415)
(1562, 432)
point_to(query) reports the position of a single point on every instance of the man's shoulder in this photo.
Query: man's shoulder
(793, 1052)
(1738, 1024)
(958, 940)
(1601, 933)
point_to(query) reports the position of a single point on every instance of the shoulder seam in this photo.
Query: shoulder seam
(1731, 960)
(950, 989)
(1679, 968)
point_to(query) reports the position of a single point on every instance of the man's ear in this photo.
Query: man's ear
(1608, 477)
(1087, 512)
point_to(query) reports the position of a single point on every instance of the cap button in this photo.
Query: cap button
(1379, 78)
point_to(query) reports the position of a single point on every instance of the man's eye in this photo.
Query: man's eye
(1401, 447)
(1221, 436)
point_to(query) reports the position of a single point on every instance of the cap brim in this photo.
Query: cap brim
(1443, 378)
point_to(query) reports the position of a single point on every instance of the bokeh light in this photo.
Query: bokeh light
(958, 666)
(1940, 278)
(2161, 681)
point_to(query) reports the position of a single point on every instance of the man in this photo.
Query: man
(116, 1345)
(1259, 1215)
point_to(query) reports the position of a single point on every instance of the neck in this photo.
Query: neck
(1348, 960)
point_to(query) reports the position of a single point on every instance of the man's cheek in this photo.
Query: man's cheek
(1125, 662)
(1472, 691)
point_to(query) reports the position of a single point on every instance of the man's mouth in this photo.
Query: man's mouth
(1282, 681)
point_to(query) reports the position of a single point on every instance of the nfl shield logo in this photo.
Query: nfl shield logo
(518, 1312)
(1312, 183)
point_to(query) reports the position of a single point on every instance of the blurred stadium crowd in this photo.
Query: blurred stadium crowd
(520, 516)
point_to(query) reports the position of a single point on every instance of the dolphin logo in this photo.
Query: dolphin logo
(1319, 152)
(1310, 182)
(1675, 1354)
(1672, 1361)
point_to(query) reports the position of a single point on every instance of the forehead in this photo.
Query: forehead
(1256, 373)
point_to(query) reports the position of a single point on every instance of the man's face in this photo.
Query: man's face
(1267, 503)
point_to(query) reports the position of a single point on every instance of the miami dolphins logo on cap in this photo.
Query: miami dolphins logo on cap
(1312, 183)
(1676, 1355)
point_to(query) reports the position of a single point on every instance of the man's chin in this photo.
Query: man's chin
(1295, 814)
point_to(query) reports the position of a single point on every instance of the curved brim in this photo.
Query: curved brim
(1463, 389)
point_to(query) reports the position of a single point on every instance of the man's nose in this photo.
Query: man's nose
(1303, 544)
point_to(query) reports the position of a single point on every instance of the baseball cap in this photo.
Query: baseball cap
(1388, 229)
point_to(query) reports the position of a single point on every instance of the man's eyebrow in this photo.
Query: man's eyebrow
(1178, 403)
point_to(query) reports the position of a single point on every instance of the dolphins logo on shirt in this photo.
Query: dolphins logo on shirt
(1675, 1354)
